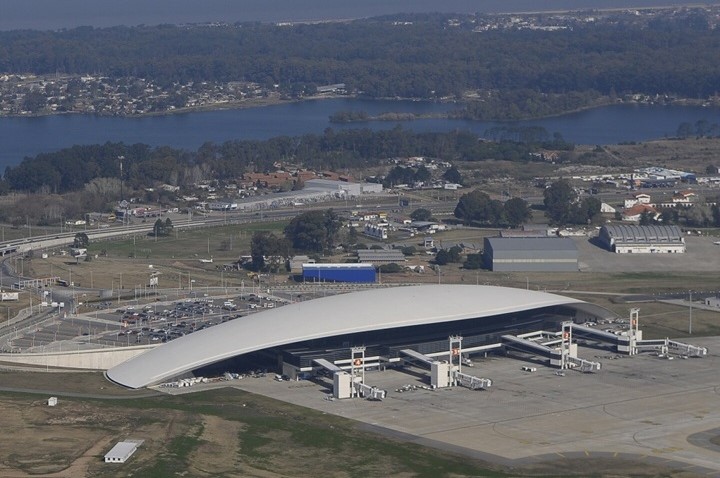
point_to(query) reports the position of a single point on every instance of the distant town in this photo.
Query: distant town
(28, 94)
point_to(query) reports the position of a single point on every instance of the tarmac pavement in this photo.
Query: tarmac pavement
(643, 408)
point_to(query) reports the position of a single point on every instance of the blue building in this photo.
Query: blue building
(364, 273)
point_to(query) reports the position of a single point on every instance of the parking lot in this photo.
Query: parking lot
(138, 324)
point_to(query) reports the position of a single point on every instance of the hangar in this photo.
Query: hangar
(628, 239)
(530, 254)
(383, 321)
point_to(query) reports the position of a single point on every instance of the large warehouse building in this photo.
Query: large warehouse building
(384, 321)
(530, 254)
(630, 239)
(357, 273)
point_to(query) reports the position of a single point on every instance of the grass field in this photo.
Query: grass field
(126, 263)
(220, 433)
(231, 433)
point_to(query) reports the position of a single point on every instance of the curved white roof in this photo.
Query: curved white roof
(374, 309)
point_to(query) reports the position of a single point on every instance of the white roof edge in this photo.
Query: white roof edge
(374, 309)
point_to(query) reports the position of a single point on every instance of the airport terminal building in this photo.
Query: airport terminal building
(293, 339)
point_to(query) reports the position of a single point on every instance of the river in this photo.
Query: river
(20, 137)
(55, 14)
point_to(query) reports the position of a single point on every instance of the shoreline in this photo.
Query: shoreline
(386, 116)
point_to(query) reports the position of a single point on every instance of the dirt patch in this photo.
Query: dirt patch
(52, 441)
(217, 452)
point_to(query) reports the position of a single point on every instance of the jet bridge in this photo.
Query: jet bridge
(622, 343)
(352, 384)
(423, 359)
(327, 365)
(631, 341)
(528, 346)
(557, 347)
(667, 346)
(446, 373)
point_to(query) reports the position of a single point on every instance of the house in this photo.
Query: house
(684, 198)
(634, 213)
(639, 198)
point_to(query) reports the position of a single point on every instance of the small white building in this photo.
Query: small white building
(712, 301)
(375, 231)
(607, 209)
(122, 451)
(52, 401)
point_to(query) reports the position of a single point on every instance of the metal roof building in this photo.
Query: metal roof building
(627, 239)
(382, 319)
(530, 254)
(122, 451)
(357, 273)
(380, 256)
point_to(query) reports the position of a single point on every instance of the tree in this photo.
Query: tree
(473, 261)
(646, 219)
(422, 175)
(162, 228)
(421, 214)
(716, 215)
(685, 130)
(452, 175)
(516, 212)
(34, 102)
(314, 231)
(478, 207)
(442, 257)
(446, 256)
(268, 251)
(587, 210)
(352, 235)
(454, 254)
(389, 268)
(81, 240)
(559, 202)
(408, 250)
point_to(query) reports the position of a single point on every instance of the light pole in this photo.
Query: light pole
(120, 158)
(690, 318)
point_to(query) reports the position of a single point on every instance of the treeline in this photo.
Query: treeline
(379, 58)
(73, 168)
(527, 103)
(701, 129)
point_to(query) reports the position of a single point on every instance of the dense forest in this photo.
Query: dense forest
(72, 168)
(382, 57)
